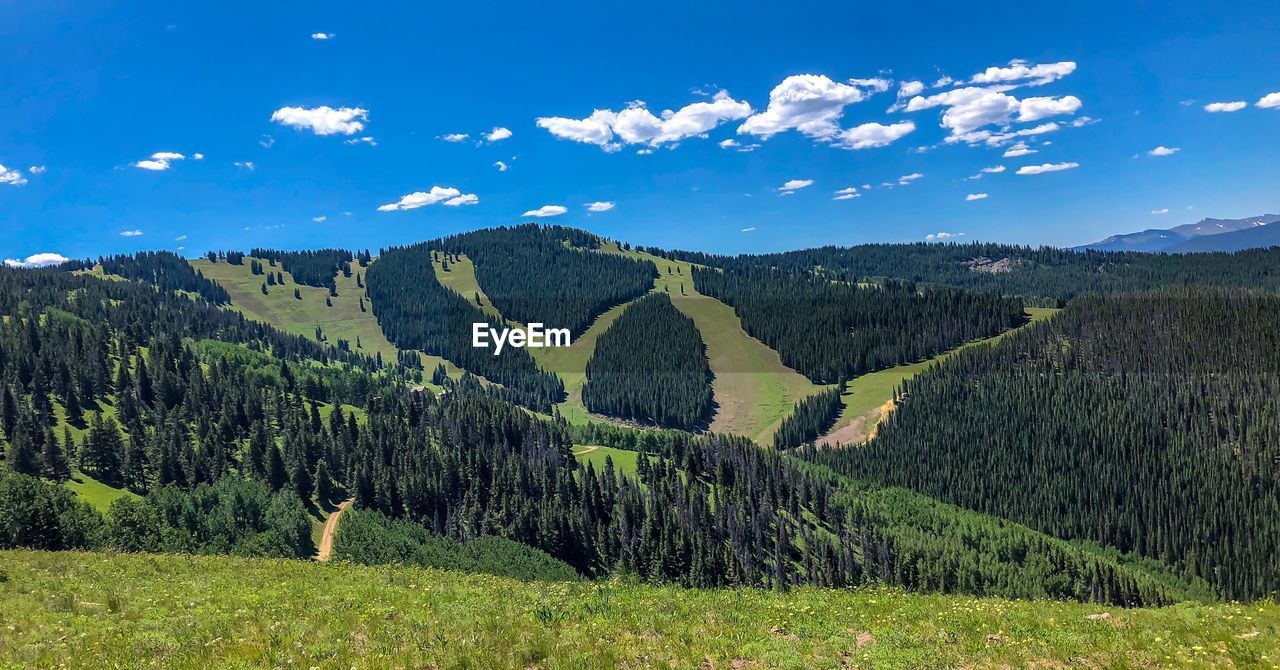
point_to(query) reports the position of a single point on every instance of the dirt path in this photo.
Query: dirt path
(330, 526)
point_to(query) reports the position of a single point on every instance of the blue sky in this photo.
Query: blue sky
(93, 95)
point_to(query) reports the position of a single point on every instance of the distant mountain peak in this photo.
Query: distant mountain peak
(1178, 237)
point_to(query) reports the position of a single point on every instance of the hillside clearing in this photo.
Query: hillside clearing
(280, 308)
(87, 610)
(868, 398)
(754, 390)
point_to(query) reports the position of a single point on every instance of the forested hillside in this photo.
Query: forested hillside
(311, 268)
(166, 270)
(651, 366)
(416, 312)
(1045, 273)
(811, 419)
(1147, 423)
(548, 274)
(832, 331)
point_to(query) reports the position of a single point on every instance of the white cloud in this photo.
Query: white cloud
(729, 144)
(938, 237)
(502, 167)
(464, 199)
(42, 260)
(794, 185)
(1047, 167)
(847, 193)
(37, 169)
(245, 165)
(266, 141)
(362, 140)
(11, 177)
(871, 135)
(547, 210)
(975, 196)
(995, 169)
(197, 156)
(1019, 71)
(180, 238)
(447, 195)
(152, 165)
(455, 137)
(322, 36)
(910, 88)
(163, 160)
(1268, 101)
(644, 152)
(167, 156)
(498, 134)
(131, 233)
(1226, 106)
(943, 82)
(811, 104)
(1163, 151)
(1159, 212)
(609, 130)
(319, 219)
(748, 229)
(323, 120)
(1019, 149)
(602, 206)
(908, 178)
(1034, 109)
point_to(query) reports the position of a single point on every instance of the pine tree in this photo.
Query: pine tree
(21, 454)
(54, 459)
(323, 485)
(277, 474)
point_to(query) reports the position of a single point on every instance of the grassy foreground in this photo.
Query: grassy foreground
(81, 610)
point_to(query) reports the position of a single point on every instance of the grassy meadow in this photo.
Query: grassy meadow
(87, 610)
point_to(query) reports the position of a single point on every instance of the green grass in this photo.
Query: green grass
(84, 610)
(94, 492)
(753, 390)
(301, 317)
(624, 461)
(867, 397)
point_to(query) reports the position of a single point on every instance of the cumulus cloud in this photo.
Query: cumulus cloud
(938, 237)
(362, 140)
(975, 196)
(738, 146)
(1034, 109)
(322, 36)
(1159, 212)
(794, 185)
(455, 137)
(1047, 167)
(498, 134)
(1163, 151)
(871, 135)
(41, 260)
(748, 229)
(811, 104)
(37, 169)
(247, 166)
(12, 177)
(1226, 106)
(908, 178)
(1019, 149)
(1268, 101)
(610, 130)
(602, 206)
(910, 88)
(163, 160)
(319, 219)
(323, 120)
(1021, 72)
(547, 210)
(502, 167)
(180, 238)
(131, 233)
(994, 169)
(446, 195)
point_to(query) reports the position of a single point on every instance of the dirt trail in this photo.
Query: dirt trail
(330, 526)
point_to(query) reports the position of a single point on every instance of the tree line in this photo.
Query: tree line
(549, 274)
(317, 268)
(1047, 275)
(416, 312)
(811, 418)
(162, 269)
(834, 331)
(651, 366)
(1148, 423)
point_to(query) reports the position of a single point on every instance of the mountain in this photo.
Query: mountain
(1249, 238)
(1164, 239)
